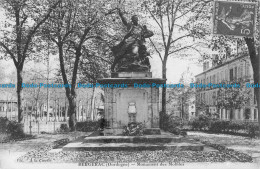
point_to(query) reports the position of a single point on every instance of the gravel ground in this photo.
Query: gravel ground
(223, 154)
(41, 154)
(238, 143)
(37, 141)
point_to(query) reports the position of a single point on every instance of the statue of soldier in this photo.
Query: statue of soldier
(130, 54)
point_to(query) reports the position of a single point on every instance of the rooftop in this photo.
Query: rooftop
(223, 64)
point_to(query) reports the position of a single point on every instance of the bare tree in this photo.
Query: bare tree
(171, 18)
(71, 29)
(24, 18)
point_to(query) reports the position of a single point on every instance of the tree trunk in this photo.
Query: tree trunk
(163, 112)
(72, 113)
(92, 106)
(255, 61)
(19, 95)
(257, 90)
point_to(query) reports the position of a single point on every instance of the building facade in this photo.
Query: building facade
(236, 69)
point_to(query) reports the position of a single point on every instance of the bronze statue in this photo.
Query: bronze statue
(131, 54)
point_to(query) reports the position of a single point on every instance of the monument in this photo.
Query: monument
(131, 98)
(137, 101)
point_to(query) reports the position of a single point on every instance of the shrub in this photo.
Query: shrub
(3, 124)
(216, 126)
(64, 128)
(221, 126)
(15, 129)
(174, 125)
(234, 127)
(202, 122)
(251, 129)
(87, 126)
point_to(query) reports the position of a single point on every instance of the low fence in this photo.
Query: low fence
(37, 127)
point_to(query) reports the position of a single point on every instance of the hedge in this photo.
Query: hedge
(206, 123)
(173, 124)
(87, 126)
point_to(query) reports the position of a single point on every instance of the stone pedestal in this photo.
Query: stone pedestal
(131, 103)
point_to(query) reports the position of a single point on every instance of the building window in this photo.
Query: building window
(226, 115)
(247, 70)
(214, 98)
(226, 77)
(247, 114)
(235, 73)
(208, 98)
(241, 70)
(255, 114)
(231, 114)
(238, 72)
(231, 75)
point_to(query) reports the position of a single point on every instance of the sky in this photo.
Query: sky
(175, 67)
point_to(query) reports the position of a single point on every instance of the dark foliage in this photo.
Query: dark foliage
(64, 128)
(205, 123)
(173, 124)
(88, 126)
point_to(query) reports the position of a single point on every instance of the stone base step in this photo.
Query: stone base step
(132, 146)
(119, 131)
(134, 139)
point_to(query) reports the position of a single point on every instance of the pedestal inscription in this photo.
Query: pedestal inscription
(131, 104)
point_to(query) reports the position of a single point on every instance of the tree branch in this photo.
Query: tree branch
(160, 26)
(168, 16)
(10, 53)
(31, 33)
(66, 35)
(185, 13)
(162, 30)
(182, 48)
(156, 49)
(175, 40)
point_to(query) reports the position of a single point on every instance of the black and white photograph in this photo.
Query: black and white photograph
(130, 84)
